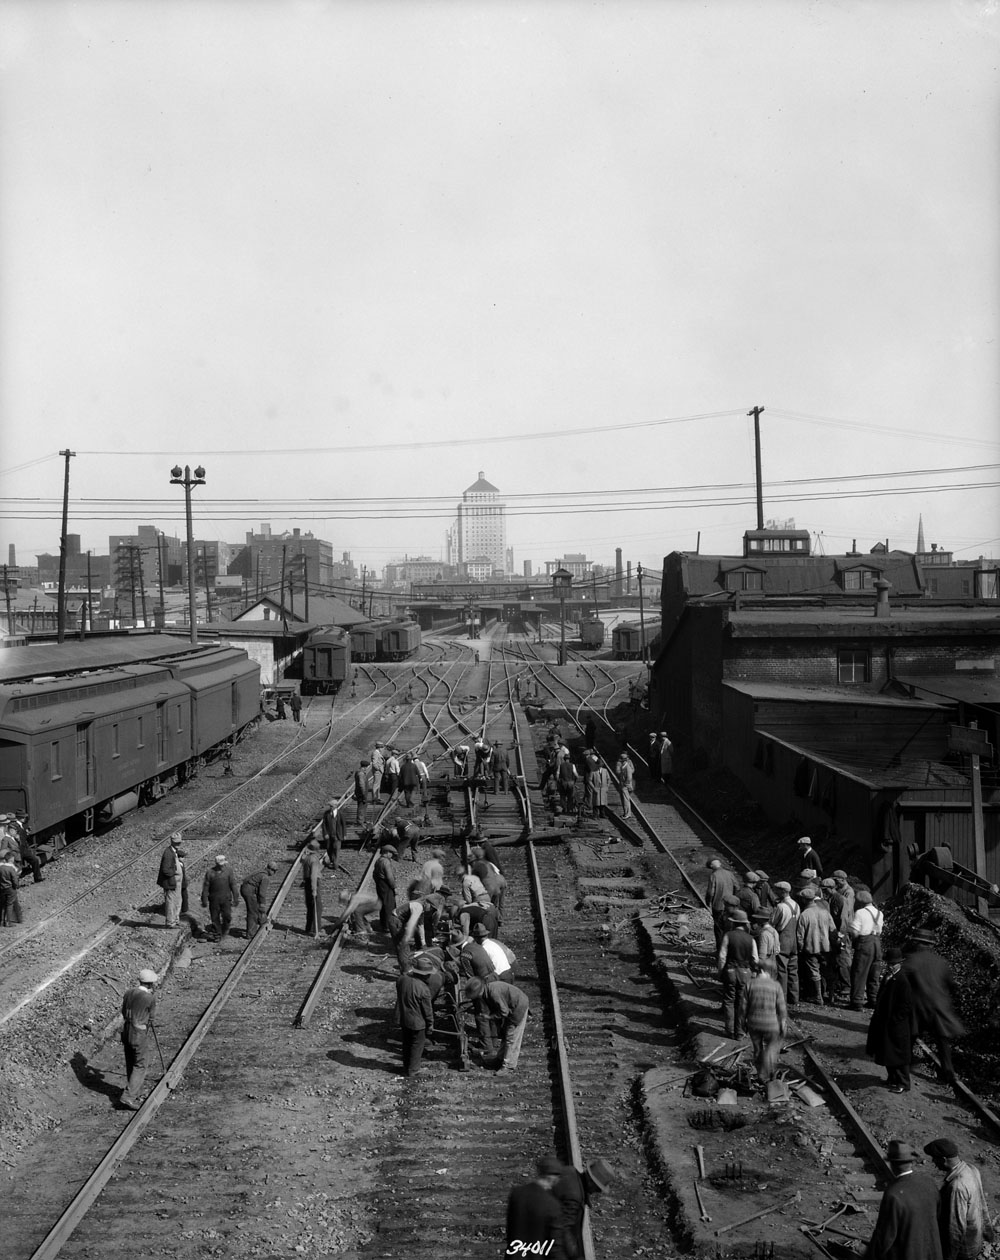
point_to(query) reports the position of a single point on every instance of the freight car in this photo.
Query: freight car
(399, 641)
(326, 662)
(592, 633)
(84, 748)
(365, 641)
(626, 640)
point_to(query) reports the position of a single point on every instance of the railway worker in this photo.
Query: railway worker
(501, 958)
(566, 777)
(407, 837)
(473, 888)
(332, 831)
(666, 758)
(501, 769)
(768, 944)
(737, 958)
(890, 1033)
(18, 825)
(963, 1217)
(219, 894)
(355, 912)
(509, 1006)
(173, 879)
(601, 790)
(653, 756)
(425, 777)
(766, 1019)
(837, 969)
(432, 871)
(313, 862)
(721, 883)
(390, 775)
(254, 890)
(362, 791)
(138, 1009)
(547, 757)
(414, 1014)
(279, 706)
(866, 942)
(907, 1224)
(845, 890)
(591, 764)
(481, 911)
(812, 935)
(489, 851)
(460, 760)
(409, 779)
(535, 1215)
(377, 771)
(384, 875)
(295, 704)
(747, 894)
(806, 882)
(490, 877)
(808, 858)
(933, 997)
(765, 893)
(784, 919)
(483, 765)
(10, 906)
(575, 1192)
(625, 774)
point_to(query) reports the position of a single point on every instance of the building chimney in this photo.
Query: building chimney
(882, 588)
(618, 570)
(11, 556)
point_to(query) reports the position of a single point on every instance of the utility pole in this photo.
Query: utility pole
(90, 612)
(61, 605)
(6, 591)
(131, 579)
(642, 618)
(142, 587)
(159, 566)
(182, 477)
(756, 413)
(281, 597)
(208, 593)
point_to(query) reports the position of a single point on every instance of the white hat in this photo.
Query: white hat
(220, 859)
(147, 977)
(804, 840)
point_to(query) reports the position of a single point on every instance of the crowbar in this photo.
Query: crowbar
(777, 1207)
(701, 1204)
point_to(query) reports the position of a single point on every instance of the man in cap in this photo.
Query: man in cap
(172, 879)
(963, 1217)
(414, 1013)
(508, 1005)
(501, 768)
(333, 831)
(808, 858)
(378, 770)
(407, 837)
(933, 997)
(10, 906)
(737, 959)
(254, 890)
(666, 758)
(432, 871)
(722, 883)
(534, 1215)
(907, 1227)
(766, 1020)
(768, 943)
(353, 917)
(220, 893)
(890, 1033)
(866, 944)
(575, 1191)
(765, 893)
(747, 895)
(501, 958)
(18, 824)
(812, 935)
(138, 1009)
(409, 779)
(313, 862)
(362, 791)
(384, 875)
(784, 919)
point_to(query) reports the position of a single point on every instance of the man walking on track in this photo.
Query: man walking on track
(138, 1009)
(220, 893)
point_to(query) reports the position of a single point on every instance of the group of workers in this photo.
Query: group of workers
(18, 854)
(385, 772)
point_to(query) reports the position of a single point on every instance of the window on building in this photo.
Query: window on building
(858, 579)
(853, 665)
(744, 580)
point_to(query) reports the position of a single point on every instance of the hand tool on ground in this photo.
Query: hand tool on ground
(701, 1204)
(775, 1207)
(152, 1029)
(844, 1206)
(700, 1153)
(841, 1209)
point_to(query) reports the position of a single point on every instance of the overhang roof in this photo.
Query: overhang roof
(967, 689)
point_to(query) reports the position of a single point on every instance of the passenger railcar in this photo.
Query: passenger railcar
(326, 662)
(626, 640)
(592, 633)
(399, 641)
(80, 749)
(365, 641)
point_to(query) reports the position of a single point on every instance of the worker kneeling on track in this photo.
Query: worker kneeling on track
(509, 1006)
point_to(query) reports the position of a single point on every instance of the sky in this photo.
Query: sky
(349, 255)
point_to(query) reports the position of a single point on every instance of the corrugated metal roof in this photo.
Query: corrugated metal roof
(76, 655)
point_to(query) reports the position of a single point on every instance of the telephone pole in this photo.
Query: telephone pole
(756, 413)
(61, 605)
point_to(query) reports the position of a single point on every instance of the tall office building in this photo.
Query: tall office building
(482, 526)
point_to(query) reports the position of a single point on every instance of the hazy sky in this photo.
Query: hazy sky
(349, 255)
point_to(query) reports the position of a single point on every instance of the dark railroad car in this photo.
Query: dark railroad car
(400, 640)
(81, 749)
(592, 633)
(326, 662)
(365, 641)
(626, 640)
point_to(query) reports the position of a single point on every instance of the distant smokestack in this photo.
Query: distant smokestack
(618, 570)
(11, 556)
(882, 588)
(628, 577)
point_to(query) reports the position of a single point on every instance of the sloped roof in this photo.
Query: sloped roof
(798, 575)
(481, 486)
(324, 610)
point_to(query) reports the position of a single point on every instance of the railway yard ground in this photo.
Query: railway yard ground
(283, 1136)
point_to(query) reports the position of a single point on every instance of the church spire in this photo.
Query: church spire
(920, 536)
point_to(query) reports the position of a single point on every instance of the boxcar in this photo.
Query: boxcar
(592, 633)
(399, 641)
(626, 640)
(81, 749)
(326, 662)
(365, 641)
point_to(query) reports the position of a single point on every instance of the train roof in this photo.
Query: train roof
(76, 656)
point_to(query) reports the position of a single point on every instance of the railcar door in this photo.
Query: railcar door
(85, 761)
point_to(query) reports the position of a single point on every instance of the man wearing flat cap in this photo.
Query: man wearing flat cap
(384, 876)
(784, 919)
(808, 858)
(749, 901)
(254, 891)
(219, 894)
(414, 1014)
(172, 878)
(737, 960)
(138, 1009)
(534, 1215)
(722, 883)
(575, 1192)
(963, 1217)
(907, 1226)
(866, 944)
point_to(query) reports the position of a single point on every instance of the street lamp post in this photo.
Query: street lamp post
(562, 581)
(179, 477)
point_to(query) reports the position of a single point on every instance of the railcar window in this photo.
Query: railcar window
(55, 761)
(115, 740)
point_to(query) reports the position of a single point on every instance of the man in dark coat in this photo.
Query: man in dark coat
(334, 831)
(933, 989)
(384, 876)
(808, 859)
(409, 778)
(313, 862)
(172, 878)
(890, 1033)
(907, 1225)
(534, 1215)
(414, 1013)
(722, 882)
(220, 893)
(575, 1192)
(254, 891)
